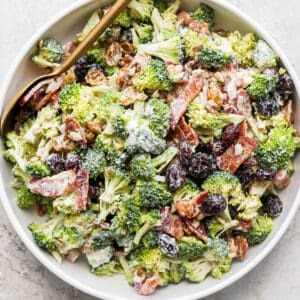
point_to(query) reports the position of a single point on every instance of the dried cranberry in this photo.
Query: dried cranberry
(73, 161)
(265, 175)
(245, 174)
(230, 135)
(81, 68)
(167, 245)
(126, 36)
(94, 192)
(202, 165)
(215, 146)
(185, 153)
(285, 85)
(55, 162)
(214, 205)
(175, 177)
(272, 205)
(268, 107)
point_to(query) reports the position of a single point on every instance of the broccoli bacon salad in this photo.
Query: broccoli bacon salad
(160, 154)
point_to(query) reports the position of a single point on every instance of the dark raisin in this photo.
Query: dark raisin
(230, 135)
(185, 153)
(245, 174)
(167, 245)
(265, 175)
(55, 162)
(175, 177)
(272, 205)
(285, 85)
(214, 205)
(81, 68)
(73, 161)
(268, 107)
(202, 165)
(215, 146)
(126, 36)
(94, 192)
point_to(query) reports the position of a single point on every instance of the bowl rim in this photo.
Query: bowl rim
(42, 256)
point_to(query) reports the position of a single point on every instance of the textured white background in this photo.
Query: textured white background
(23, 277)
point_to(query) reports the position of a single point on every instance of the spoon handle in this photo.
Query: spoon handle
(93, 36)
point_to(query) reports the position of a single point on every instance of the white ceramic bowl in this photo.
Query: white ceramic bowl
(64, 26)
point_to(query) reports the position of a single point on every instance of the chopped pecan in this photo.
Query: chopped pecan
(113, 54)
(62, 143)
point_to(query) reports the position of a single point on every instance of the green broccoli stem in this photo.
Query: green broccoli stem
(126, 268)
(143, 230)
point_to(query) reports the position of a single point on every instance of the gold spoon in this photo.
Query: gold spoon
(82, 48)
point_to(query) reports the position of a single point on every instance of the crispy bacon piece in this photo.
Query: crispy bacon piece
(185, 18)
(190, 209)
(171, 224)
(82, 190)
(41, 93)
(145, 286)
(182, 97)
(74, 131)
(242, 247)
(243, 103)
(282, 179)
(197, 228)
(184, 132)
(237, 154)
(199, 27)
(246, 225)
(69, 49)
(54, 186)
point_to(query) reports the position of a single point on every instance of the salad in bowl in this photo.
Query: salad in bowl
(162, 152)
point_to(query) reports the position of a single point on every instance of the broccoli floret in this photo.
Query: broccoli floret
(197, 270)
(96, 55)
(49, 53)
(119, 127)
(91, 23)
(66, 204)
(217, 226)
(100, 239)
(45, 125)
(205, 14)
(150, 240)
(117, 159)
(143, 140)
(67, 239)
(117, 183)
(171, 50)
(143, 167)
(144, 32)
(154, 77)
(222, 266)
(18, 151)
(124, 19)
(177, 273)
(249, 207)
(153, 194)
(43, 233)
(243, 47)
(94, 162)
(262, 226)
(219, 246)
(225, 184)
(192, 42)
(264, 56)
(37, 169)
(83, 222)
(159, 115)
(25, 198)
(209, 124)
(276, 152)
(188, 192)
(108, 269)
(261, 86)
(189, 248)
(126, 269)
(141, 9)
(99, 257)
(148, 221)
(213, 58)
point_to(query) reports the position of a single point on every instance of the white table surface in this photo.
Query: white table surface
(23, 277)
